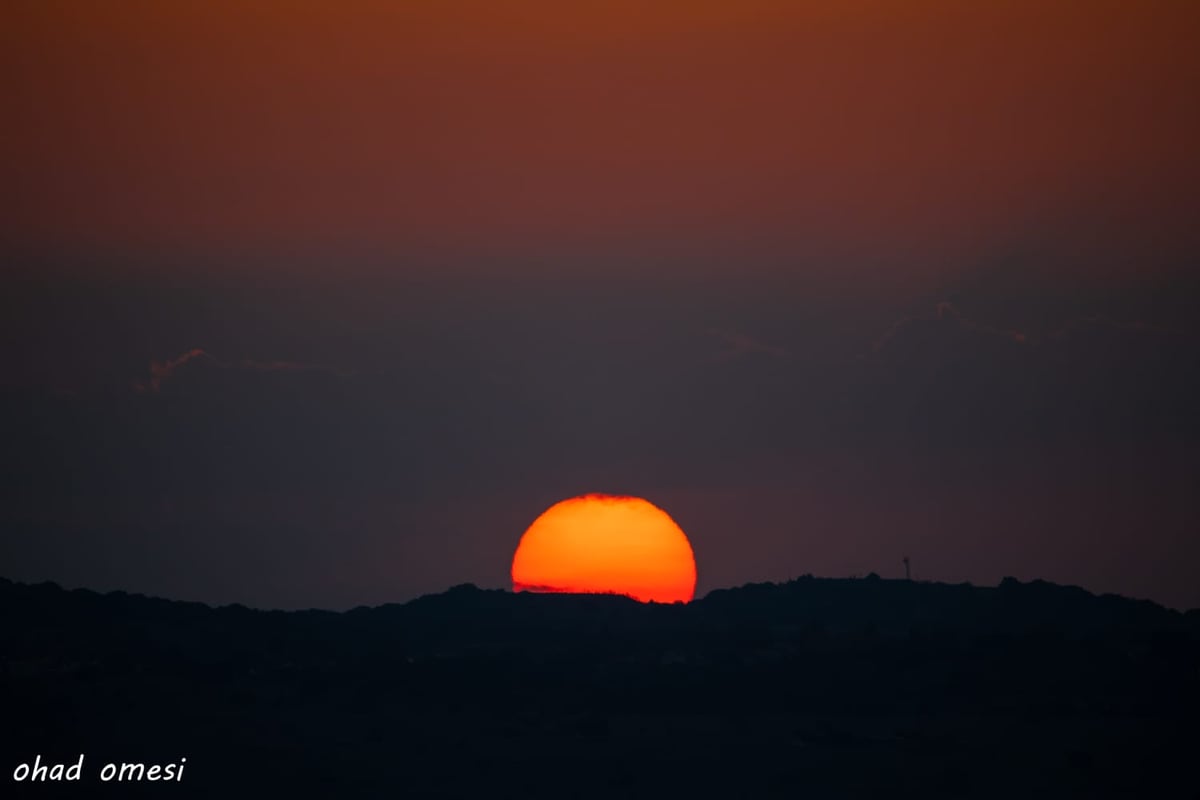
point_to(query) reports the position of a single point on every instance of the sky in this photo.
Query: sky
(313, 304)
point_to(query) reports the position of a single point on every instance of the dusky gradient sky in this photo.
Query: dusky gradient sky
(315, 304)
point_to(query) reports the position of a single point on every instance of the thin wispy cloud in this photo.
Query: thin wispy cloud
(164, 371)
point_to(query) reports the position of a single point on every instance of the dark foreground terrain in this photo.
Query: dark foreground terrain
(814, 688)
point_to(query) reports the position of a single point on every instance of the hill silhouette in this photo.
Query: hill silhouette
(815, 687)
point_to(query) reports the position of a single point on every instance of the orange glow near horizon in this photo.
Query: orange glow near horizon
(606, 544)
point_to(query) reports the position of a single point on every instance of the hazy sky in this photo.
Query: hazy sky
(321, 304)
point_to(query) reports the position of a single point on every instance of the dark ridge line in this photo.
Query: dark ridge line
(1007, 583)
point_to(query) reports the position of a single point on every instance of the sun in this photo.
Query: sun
(606, 544)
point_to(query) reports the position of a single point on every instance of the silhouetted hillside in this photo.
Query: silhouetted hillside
(815, 687)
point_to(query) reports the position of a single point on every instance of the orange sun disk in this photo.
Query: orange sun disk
(606, 544)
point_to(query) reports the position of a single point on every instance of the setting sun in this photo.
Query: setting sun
(597, 544)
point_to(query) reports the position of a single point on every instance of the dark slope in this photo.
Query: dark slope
(815, 687)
